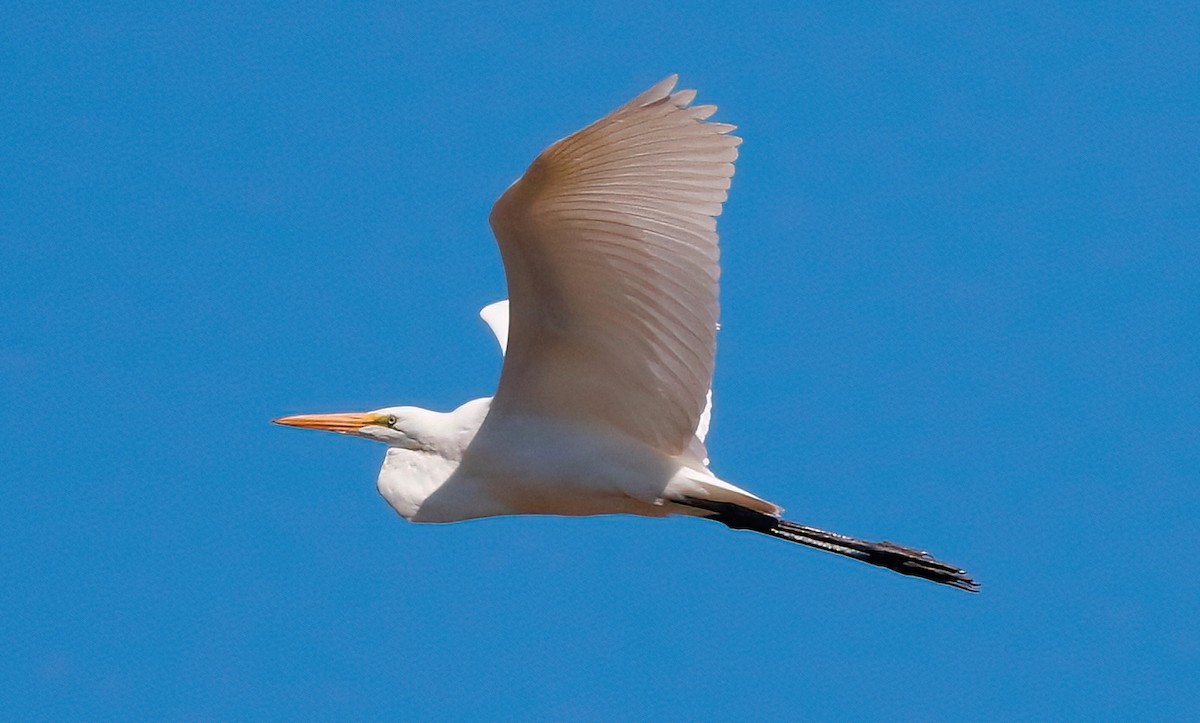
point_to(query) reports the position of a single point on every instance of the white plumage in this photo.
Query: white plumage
(609, 243)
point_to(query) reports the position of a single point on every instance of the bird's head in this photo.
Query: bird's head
(394, 426)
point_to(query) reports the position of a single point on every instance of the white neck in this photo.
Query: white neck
(408, 477)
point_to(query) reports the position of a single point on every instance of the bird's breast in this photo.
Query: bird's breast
(408, 478)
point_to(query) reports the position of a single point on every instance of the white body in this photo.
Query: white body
(524, 465)
(609, 242)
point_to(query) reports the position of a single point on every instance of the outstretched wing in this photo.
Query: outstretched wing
(609, 244)
(495, 315)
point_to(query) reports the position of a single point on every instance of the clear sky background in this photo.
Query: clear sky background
(961, 310)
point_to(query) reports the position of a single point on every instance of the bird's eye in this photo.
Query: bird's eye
(391, 420)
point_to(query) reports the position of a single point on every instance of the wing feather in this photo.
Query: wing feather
(609, 243)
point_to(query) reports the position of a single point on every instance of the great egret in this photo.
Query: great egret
(609, 245)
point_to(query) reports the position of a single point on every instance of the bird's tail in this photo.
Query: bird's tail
(904, 560)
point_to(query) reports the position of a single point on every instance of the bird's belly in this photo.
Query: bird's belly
(556, 469)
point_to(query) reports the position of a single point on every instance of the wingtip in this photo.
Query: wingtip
(495, 315)
(683, 98)
(493, 309)
(657, 92)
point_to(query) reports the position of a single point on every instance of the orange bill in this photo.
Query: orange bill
(342, 422)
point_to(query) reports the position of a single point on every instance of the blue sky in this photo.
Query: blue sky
(961, 304)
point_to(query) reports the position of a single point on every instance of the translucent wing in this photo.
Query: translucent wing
(495, 315)
(609, 244)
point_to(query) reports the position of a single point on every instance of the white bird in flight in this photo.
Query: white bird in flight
(609, 243)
